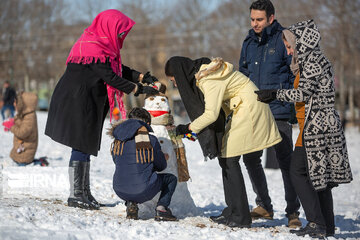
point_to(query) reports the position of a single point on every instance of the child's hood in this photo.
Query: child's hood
(27, 102)
(217, 69)
(127, 129)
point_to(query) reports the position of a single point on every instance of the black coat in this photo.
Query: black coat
(9, 96)
(79, 104)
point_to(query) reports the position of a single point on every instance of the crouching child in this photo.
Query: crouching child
(137, 156)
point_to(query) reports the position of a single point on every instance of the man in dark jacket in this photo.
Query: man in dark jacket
(9, 96)
(138, 156)
(265, 61)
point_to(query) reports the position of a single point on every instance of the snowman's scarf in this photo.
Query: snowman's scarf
(163, 120)
(178, 146)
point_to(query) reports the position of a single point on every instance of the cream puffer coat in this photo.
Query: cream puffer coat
(252, 126)
(25, 129)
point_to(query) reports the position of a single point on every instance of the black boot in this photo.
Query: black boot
(132, 210)
(165, 215)
(77, 175)
(87, 187)
(220, 219)
(312, 229)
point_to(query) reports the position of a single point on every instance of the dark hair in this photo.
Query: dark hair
(140, 114)
(263, 5)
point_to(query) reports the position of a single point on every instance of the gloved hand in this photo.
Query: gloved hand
(8, 124)
(148, 79)
(266, 95)
(145, 90)
(182, 129)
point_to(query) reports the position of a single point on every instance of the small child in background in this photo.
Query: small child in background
(25, 130)
(138, 156)
(116, 114)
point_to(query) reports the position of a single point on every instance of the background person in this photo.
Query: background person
(8, 99)
(25, 130)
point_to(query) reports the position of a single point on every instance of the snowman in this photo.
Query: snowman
(182, 204)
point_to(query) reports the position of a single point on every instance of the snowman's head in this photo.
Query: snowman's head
(157, 103)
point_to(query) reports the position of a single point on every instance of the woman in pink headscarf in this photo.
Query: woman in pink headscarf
(93, 79)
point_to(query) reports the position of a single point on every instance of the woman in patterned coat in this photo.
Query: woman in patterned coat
(320, 160)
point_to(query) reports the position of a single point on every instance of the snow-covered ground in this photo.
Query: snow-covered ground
(33, 199)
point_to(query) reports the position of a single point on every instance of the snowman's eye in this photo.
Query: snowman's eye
(163, 99)
(151, 98)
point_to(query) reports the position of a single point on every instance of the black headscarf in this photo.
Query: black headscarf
(184, 69)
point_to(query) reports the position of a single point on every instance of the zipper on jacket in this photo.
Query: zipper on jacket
(266, 47)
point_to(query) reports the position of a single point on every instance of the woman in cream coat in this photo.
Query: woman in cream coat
(251, 127)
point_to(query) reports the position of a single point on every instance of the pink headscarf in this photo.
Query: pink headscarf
(100, 41)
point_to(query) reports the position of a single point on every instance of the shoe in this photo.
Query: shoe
(77, 196)
(293, 220)
(260, 212)
(132, 210)
(87, 187)
(165, 215)
(43, 162)
(312, 229)
(220, 219)
(237, 225)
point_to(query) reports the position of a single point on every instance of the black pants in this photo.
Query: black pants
(237, 209)
(317, 205)
(257, 176)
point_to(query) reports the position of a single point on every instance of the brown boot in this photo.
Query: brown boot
(293, 220)
(260, 212)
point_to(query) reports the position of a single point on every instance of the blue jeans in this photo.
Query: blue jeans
(76, 155)
(169, 182)
(7, 107)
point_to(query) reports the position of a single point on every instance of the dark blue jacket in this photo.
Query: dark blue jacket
(266, 63)
(137, 182)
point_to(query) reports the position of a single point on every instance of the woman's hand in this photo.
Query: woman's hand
(148, 79)
(145, 90)
(266, 95)
(182, 129)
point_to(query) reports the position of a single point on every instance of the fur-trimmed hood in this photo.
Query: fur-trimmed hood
(217, 69)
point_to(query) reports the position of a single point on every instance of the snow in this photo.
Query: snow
(33, 199)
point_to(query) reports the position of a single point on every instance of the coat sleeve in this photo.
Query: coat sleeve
(213, 97)
(22, 129)
(105, 72)
(308, 84)
(159, 158)
(130, 74)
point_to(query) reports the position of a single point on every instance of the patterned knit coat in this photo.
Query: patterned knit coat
(323, 139)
